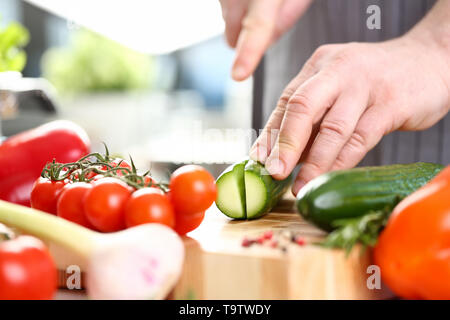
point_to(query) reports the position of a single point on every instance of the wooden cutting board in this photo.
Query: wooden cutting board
(217, 266)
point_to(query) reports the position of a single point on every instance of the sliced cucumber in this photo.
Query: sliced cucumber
(256, 193)
(231, 192)
(247, 191)
(261, 190)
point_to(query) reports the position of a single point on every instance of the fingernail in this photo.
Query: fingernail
(275, 166)
(258, 153)
(238, 73)
(298, 185)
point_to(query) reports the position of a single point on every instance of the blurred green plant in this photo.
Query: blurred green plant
(93, 63)
(12, 40)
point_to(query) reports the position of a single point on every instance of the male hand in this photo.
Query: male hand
(253, 25)
(347, 97)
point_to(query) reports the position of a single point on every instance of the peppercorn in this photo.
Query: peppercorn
(300, 241)
(268, 235)
(247, 242)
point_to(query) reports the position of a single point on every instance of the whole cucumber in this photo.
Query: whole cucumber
(351, 193)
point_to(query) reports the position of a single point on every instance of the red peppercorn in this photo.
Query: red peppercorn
(274, 244)
(268, 235)
(247, 242)
(300, 241)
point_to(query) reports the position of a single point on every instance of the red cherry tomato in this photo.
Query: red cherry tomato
(149, 205)
(70, 204)
(185, 223)
(75, 175)
(90, 175)
(27, 271)
(105, 202)
(45, 193)
(121, 164)
(192, 189)
(150, 182)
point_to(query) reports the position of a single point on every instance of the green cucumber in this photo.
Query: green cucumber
(352, 193)
(246, 190)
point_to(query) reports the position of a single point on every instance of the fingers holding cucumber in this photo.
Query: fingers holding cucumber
(247, 191)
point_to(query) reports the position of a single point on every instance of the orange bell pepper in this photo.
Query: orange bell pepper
(413, 251)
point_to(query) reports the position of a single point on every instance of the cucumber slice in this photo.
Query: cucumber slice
(261, 190)
(247, 191)
(230, 191)
(255, 193)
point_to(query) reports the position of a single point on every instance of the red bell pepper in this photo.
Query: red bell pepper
(23, 156)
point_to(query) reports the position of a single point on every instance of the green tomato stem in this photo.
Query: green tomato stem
(49, 227)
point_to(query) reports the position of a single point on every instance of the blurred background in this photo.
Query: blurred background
(148, 78)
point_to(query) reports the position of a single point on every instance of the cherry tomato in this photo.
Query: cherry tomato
(70, 204)
(121, 164)
(27, 271)
(149, 205)
(90, 175)
(87, 176)
(150, 182)
(185, 223)
(75, 175)
(192, 189)
(45, 193)
(105, 202)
